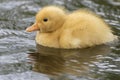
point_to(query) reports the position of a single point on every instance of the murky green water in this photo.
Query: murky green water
(96, 63)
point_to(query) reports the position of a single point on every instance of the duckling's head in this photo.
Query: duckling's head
(48, 19)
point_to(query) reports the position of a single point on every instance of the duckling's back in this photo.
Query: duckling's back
(83, 28)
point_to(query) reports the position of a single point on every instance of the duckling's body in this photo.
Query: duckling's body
(79, 29)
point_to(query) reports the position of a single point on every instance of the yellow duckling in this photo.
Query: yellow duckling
(80, 29)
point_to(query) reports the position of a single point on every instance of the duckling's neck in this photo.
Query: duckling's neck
(60, 24)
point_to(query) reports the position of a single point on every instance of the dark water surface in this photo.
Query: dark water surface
(96, 63)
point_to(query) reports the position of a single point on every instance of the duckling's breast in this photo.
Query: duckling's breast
(47, 39)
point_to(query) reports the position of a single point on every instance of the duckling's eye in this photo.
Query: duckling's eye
(45, 19)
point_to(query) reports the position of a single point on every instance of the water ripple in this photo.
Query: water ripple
(16, 15)
(9, 4)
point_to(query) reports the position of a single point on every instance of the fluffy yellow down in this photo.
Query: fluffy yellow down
(79, 29)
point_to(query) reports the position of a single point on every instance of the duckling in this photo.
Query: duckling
(80, 29)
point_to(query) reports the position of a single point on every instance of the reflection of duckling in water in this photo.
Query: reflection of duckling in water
(79, 29)
(52, 61)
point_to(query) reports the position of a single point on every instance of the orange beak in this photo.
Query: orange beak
(34, 27)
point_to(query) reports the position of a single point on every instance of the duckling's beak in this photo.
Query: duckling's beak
(34, 27)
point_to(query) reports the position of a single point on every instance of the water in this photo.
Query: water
(97, 63)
